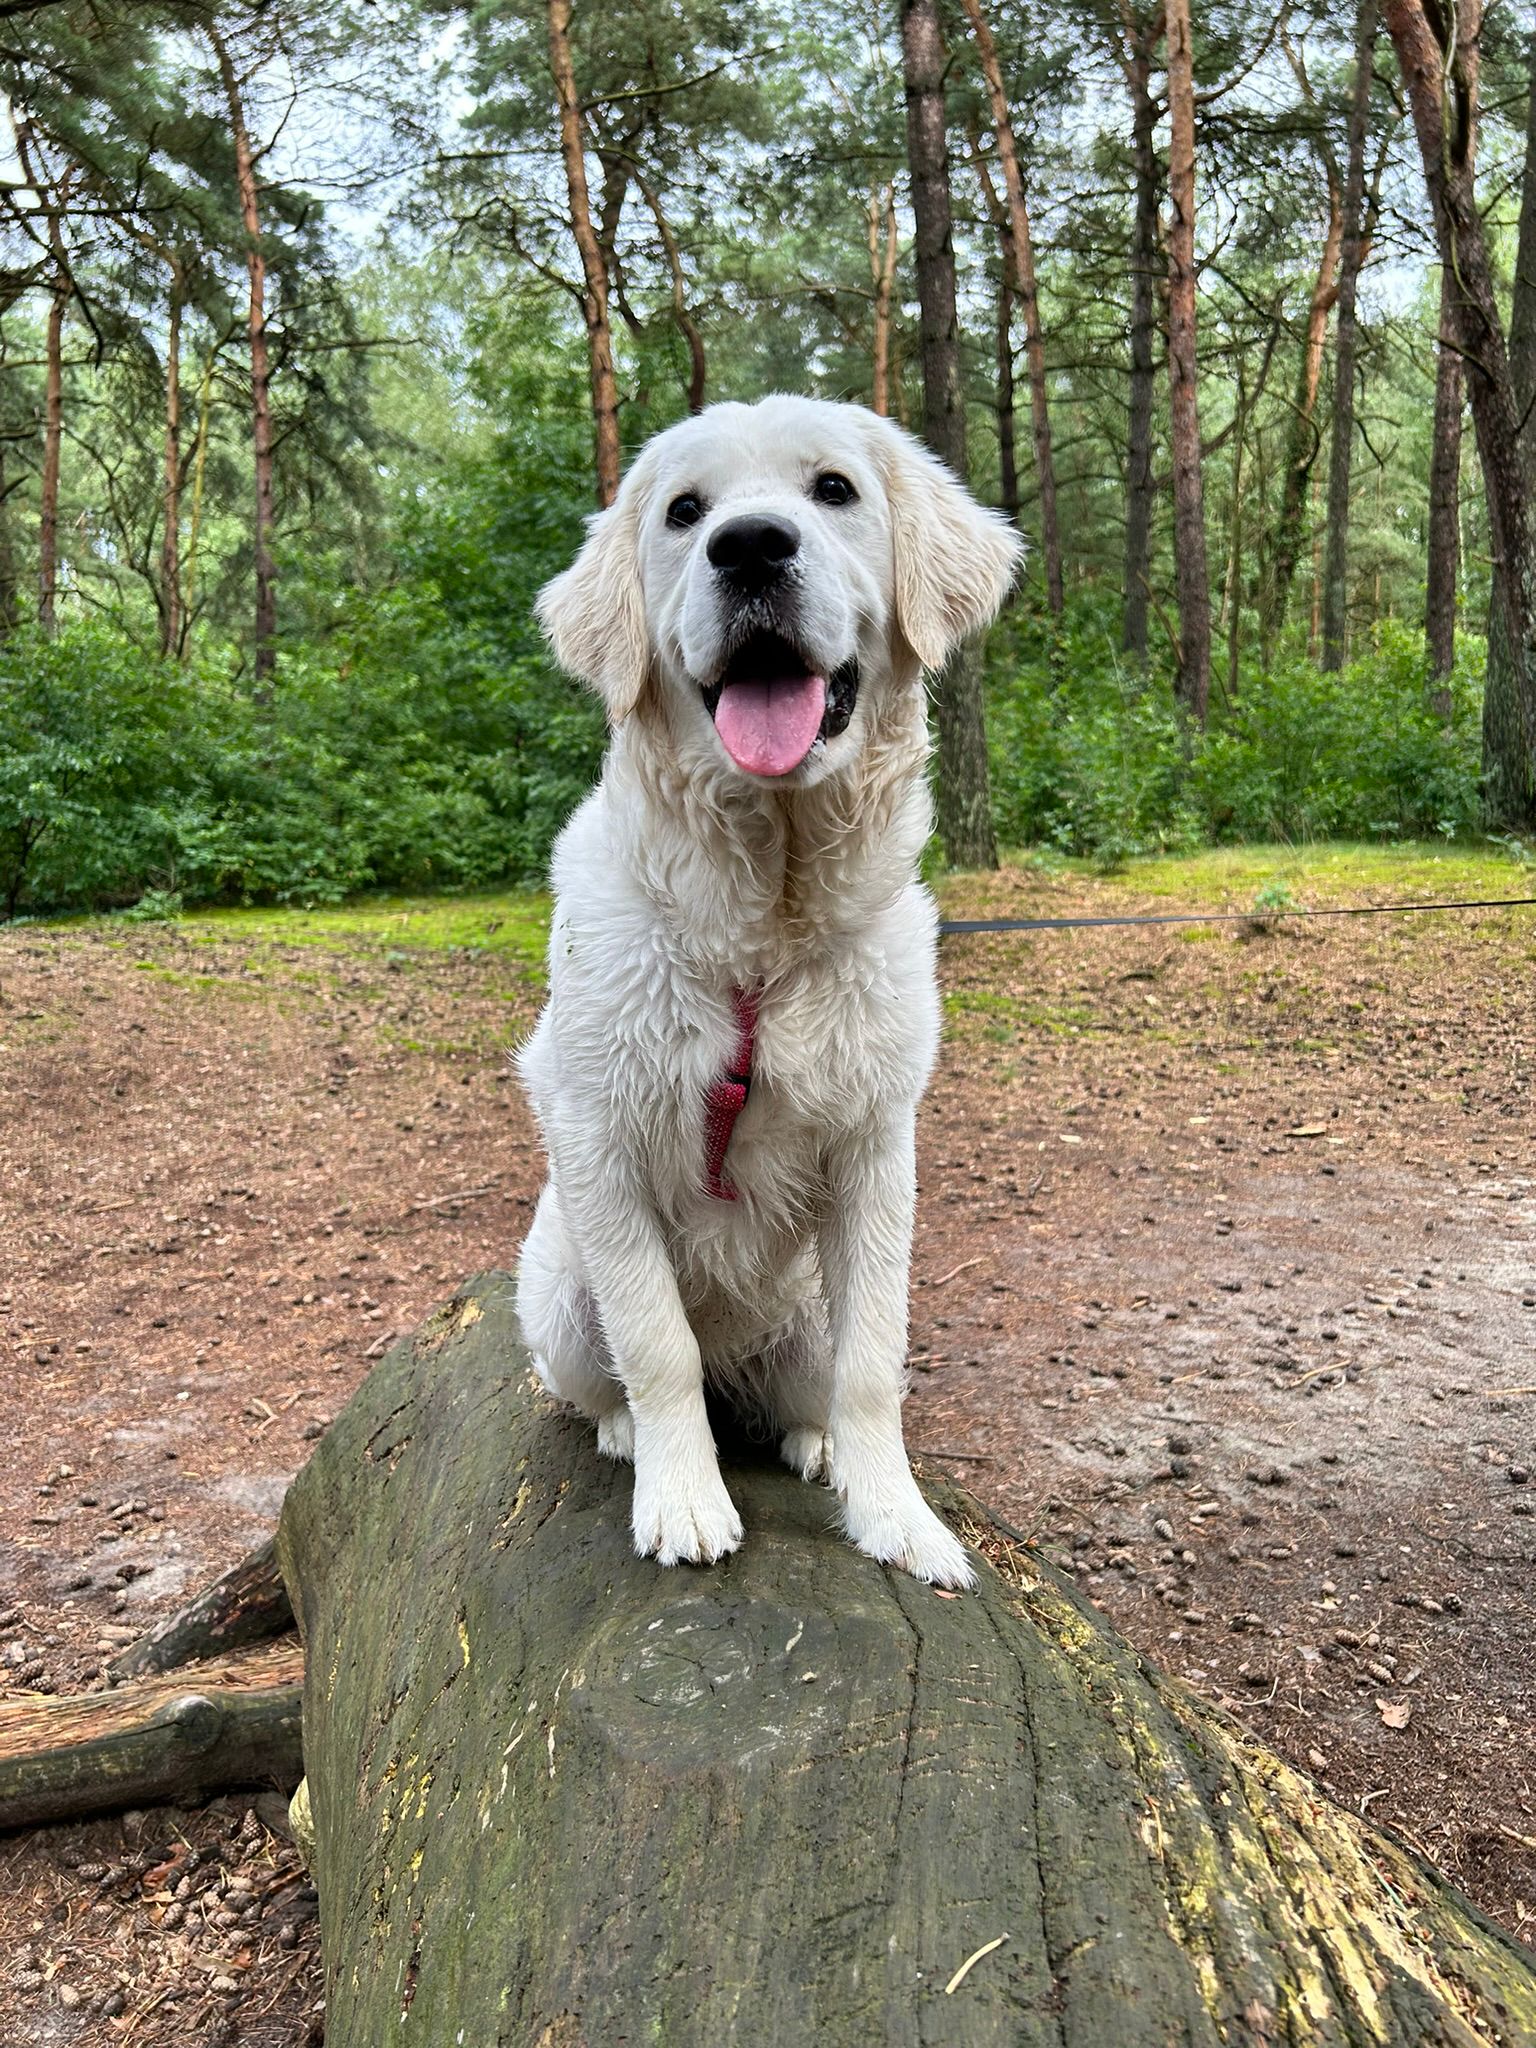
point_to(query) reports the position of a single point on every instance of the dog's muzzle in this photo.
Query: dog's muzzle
(771, 707)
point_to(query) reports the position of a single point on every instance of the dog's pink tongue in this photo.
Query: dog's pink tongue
(768, 727)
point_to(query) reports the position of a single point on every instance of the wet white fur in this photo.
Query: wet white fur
(682, 875)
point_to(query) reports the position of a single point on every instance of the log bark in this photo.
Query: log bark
(561, 1796)
(200, 1730)
(1191, 578)
(1336, 552)
(963, 794)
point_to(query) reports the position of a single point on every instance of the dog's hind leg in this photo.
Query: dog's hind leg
(560, 1328)
(800, 1391)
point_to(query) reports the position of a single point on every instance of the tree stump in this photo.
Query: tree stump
(561, 1796)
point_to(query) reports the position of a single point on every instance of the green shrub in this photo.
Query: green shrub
(1092, 758)
(1086, 756)
(1356, 755)
(121, 775)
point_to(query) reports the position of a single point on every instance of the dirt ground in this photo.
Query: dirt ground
(1224, 1292)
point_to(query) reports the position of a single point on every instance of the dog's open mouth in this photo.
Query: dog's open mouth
(770, 707)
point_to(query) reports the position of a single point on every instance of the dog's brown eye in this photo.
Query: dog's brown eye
(832, 489)
(687, 510)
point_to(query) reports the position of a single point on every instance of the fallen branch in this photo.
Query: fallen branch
(232, 1722)
(964, 1267)
(247, 1605)
(459, 1195)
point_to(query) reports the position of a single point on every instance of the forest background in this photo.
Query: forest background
(323, 327)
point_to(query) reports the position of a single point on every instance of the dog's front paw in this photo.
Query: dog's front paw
(694, 1523)
(616, 1435)
(808, 1452)
(905, 1531)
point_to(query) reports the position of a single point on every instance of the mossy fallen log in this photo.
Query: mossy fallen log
(561, 1796)
(231, 1722)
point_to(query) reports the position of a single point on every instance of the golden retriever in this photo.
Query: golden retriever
(743, 1008)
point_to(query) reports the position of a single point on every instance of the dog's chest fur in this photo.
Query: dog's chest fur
(663, 906)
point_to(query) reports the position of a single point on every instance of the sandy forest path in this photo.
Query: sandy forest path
(1225, 1291)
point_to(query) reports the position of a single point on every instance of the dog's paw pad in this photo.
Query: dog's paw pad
(616, 1436)
(808, 1452)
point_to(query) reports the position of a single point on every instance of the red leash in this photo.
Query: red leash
(727, 1097)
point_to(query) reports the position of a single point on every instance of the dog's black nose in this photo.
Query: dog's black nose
(753, 550)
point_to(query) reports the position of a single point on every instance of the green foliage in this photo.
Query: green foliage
(1362, 755)
(417, 738)
(126, 780)
(1087, 757)
(1276, 894)
(1090, 758)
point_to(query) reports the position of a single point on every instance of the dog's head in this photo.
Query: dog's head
(772, 569)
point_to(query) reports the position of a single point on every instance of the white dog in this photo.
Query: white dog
(743, 1011)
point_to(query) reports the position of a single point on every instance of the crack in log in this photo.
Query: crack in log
(1028, 1741)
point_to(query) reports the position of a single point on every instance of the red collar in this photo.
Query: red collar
(727, 1096)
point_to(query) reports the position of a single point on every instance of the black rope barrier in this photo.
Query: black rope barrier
(956, 927)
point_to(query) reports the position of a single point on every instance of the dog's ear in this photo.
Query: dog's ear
(593, 613)
(954, 558)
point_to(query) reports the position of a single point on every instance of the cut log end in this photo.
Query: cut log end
(559, 1794)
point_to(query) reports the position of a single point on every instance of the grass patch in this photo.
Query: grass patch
(1318, 876)
(513, 922)
(986, 1013)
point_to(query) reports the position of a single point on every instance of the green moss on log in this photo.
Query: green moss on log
(561, 1796)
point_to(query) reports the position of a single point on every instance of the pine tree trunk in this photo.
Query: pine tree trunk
(1007, 420)
(1499, 683)
(1522, 319)
(594, 296)
(265, 658)
(1445, 125)
(1007, 417)
(687, 326)
(1302, 439)
(561, 1796)
(199, 469)
(1140, 485)
(9, 609)
(53, 442)
(1023, 250)
(963, 795)
(1232, 589)
(60, 288)
(1336, 550)
(882, 284)
(1444, 509)
(170, 548)
(1192, 580)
